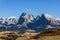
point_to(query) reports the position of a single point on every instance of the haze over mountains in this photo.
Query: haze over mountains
(28, 22)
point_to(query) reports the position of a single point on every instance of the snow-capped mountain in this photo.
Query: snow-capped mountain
(27, 21)
(10, 20)
(44, 21)
(48, 16)
(25, 18)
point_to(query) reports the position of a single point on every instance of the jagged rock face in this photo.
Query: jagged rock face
(27, 21)
(41, 22)
(38, 21)
(25, 18)
(38, 18)
(46, 19)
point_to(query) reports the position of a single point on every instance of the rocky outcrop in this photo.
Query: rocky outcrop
(25, 18)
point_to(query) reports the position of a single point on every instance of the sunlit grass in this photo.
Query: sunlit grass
(49, 37)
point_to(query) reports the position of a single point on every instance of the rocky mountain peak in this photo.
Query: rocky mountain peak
(28, 21)
(38, 18)
(48, 16)
(25, 18)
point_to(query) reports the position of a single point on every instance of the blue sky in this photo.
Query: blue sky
(35, 7)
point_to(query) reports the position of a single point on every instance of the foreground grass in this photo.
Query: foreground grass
(22, 38)
(49, 37)
(57, 37)
(41, 38)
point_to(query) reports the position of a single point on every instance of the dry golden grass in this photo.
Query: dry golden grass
(41, 38)
(49, 37)
(22, 38)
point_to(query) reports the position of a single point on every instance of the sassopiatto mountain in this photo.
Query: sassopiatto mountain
(28, 22)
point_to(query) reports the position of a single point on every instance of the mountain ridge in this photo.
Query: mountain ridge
(28, 21)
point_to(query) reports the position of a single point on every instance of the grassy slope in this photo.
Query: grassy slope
(42, 38)
(49, 37)
(22, 38)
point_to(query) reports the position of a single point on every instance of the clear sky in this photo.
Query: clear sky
(35, 7)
